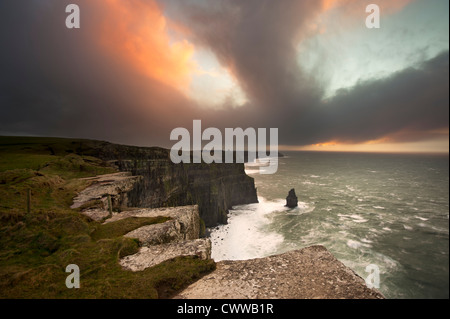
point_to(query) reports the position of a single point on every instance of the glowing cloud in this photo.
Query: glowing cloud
(213, 85)
(137, 31)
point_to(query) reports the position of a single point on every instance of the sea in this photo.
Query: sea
(388, 210)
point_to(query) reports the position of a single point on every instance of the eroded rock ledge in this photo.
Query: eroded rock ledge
(176, 237)
(184, 224)
(309, 273)
(150, 256)
(116, 185)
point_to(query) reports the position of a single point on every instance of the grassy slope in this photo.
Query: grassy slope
(35, 248)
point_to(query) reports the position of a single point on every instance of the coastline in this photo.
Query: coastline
(109, 201)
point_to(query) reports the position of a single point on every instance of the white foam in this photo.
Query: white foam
(355, 218)
(302, 208)
(353, 244)
(245, 237)
(350, 188)
(386, 261)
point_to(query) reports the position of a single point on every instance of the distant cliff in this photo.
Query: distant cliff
(215, 188)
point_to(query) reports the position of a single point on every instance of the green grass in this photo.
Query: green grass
(35, 248)
(53, 146)
(24, 161)
(39, 247)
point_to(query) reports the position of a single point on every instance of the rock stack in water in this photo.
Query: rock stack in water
(291, 199)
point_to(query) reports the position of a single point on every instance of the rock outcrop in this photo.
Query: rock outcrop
(215, 188)
(309, 273)
(115, 185)
(150, 256)
(291, 199)
(160, 242)
(184, 224)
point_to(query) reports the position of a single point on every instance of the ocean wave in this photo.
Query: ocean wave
(245, 236)
(355, 218)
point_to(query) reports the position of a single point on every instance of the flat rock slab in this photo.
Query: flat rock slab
(104, 184)
(185, 224)
(172, 212)
(158, 233)
(113, 184)
(309, 273)
(153, 255)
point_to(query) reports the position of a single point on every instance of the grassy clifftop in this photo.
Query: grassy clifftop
(36, 246)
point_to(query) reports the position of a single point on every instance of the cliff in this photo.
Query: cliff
(215, 188)
(176, 234)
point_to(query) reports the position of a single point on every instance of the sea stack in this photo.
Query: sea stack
(291, 199)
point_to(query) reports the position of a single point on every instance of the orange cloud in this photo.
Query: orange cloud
(406, 140)
(331, 143)
(351, 12)
(137, 32)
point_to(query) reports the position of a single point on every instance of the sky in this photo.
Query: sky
(135, 70)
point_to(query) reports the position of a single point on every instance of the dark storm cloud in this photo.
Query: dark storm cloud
(56, 81)
(414, 100)
(256, 39)
(410, 105)
(60, 82)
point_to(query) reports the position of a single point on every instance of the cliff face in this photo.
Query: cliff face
(215, 188)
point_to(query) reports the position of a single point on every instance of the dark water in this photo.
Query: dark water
(383, 209)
